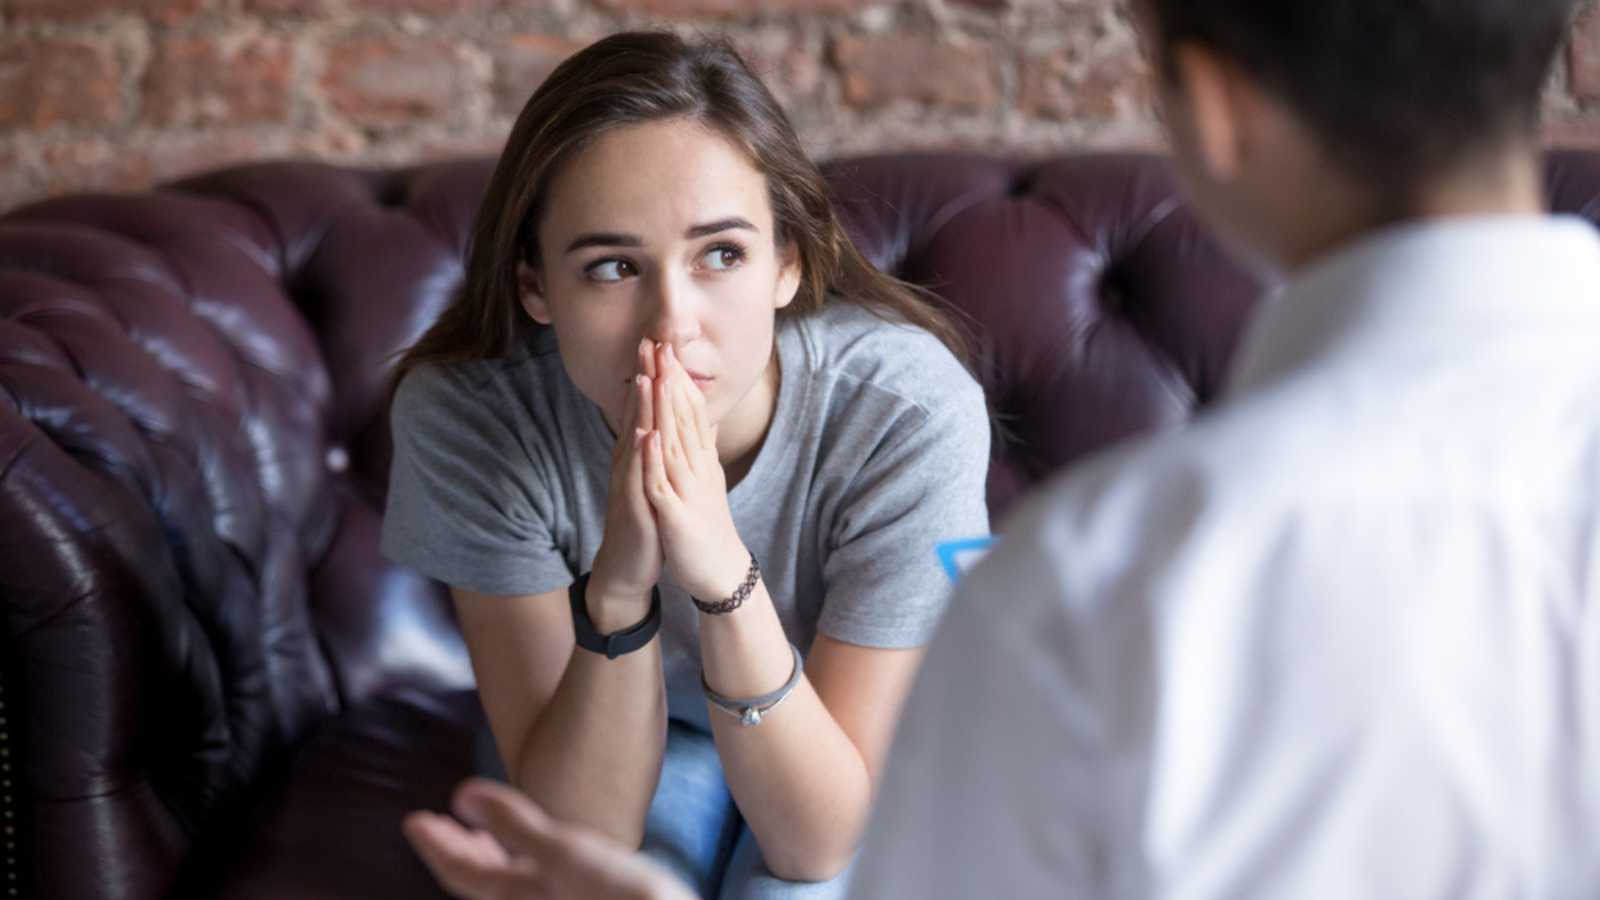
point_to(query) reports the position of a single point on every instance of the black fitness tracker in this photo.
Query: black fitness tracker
(616, 643)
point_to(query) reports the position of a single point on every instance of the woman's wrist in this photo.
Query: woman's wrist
(613, 607)
(725, 577)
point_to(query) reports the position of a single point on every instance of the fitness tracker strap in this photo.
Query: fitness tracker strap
(616, 643)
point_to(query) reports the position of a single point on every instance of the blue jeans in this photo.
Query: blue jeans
(693, 827)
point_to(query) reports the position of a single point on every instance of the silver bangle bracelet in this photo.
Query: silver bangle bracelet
(749, 712)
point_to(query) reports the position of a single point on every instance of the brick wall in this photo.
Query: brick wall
(119, 94)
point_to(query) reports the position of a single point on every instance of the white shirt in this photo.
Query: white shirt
(1339, 638)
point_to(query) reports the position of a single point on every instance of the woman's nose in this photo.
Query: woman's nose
(673, 317)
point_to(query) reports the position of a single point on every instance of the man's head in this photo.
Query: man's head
(1388, 97)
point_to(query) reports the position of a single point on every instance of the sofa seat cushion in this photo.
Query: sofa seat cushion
(328, 825)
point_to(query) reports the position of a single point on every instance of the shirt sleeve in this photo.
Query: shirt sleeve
(468, 501)
(1018, 766)
(925, 485)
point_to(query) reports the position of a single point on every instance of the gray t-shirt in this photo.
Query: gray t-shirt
(877, 452)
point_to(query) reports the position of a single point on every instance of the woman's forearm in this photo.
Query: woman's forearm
(801, 784)
(593, 755)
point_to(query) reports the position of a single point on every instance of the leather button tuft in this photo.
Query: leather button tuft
(337, 459)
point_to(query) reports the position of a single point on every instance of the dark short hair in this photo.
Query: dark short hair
(1393, 88)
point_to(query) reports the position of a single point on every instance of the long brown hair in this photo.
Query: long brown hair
(633, 78)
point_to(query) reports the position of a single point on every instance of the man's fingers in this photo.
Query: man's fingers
(468, 864)
(509, 815)
(445, 833)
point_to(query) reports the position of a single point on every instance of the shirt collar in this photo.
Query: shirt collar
(1426, 286)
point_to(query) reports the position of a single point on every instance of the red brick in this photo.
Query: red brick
(521, 63)
(94, 164)
(47, 82)
(791, 72)
(189, 154)
(881, 70)
(201, 80)
(164, 11)
(1079, 83)
(433, 7)
(464, 146)
(100, 163)
(305, 8)
(1583, 55)
(728, 8)
(17, 183)
(389, 81)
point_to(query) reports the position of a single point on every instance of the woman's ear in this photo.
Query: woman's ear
(789, 272)
(530, 289)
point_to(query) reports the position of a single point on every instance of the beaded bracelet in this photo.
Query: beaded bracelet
(736, 600)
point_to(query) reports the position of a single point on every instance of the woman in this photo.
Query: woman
(689, 526)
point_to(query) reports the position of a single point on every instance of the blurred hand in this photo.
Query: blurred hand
(511, 850)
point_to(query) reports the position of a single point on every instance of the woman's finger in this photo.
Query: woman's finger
(633, 476)
(702, 419)
(647, 357)
(625, 428)
(666, 412)
(658, 486)
(647, 402)
(692, 416)
(689, 433)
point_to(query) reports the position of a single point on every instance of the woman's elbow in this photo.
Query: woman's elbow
(824, 864)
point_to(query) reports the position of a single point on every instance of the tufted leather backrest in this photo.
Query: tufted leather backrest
(193, 453)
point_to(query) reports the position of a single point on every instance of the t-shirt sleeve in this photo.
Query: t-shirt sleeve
(469, 503)
(923, 485)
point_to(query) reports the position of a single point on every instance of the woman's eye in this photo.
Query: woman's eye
(609, 270)
(723, 256)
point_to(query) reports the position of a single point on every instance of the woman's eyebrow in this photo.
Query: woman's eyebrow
(604, 239)
(732, 222)
(616, 239)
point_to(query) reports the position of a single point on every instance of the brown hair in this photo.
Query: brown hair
(633, 78)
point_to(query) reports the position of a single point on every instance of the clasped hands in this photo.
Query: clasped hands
(668, 496)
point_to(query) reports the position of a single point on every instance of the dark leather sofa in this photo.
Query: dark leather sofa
(213, 685)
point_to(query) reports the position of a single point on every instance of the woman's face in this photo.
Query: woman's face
(662, 231)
